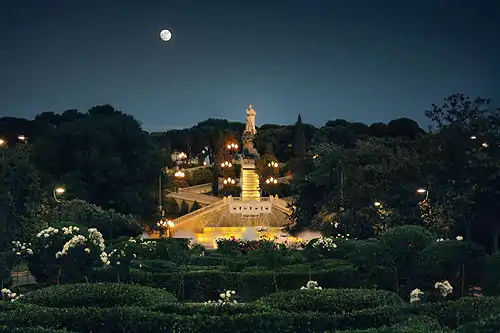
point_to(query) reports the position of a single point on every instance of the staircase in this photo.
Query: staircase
(249, 181)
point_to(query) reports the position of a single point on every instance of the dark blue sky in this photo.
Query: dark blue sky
(361, 60)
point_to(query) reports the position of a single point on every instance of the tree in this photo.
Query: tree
(22, 197)
(338, 183)
(464, 159)
(184, 208)
(299, 138)
(195, 206)
(105, 158)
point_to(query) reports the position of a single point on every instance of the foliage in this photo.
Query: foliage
(102, 149)
(451, 260)
(195, 206)
(109, 222)
(67, 254)
(22, 197)
(102, 295)
(329, 300)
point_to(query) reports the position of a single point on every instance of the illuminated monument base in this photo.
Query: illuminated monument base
(239, 217)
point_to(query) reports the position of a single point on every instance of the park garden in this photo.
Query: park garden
(404, 280)
(408, 218)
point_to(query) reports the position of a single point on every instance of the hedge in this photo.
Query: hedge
(486, 325)
(139, 320)
(413, 324)
(464, 310)
(330, 300)
(7, 329)
(97, 295)
(206, 285)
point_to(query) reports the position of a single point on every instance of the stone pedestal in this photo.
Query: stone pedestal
(248, 148)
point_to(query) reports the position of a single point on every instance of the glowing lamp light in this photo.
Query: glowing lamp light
(271, 180)
(273, 164)
(377, 204)
(232, 146)
(229, 181)
(315, 156)
(182, 155)
(60, 190)
(204, 162)
(179, 174)
(170, 224)
(2, 142)
(226, 164)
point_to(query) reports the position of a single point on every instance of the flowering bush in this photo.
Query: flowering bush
(415, 296)
(68, 253)
(444, 288)
(224, 298)
(21, 249)
(325, 243)
(476, 291)
(8, 295)
(311, 285)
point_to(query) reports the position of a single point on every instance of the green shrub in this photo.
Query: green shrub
(488, 324)
(412, 324)
(196, 205)
(400, 246)
(329, 300)
(448, 260)
(138, 320)
(206, 285)
(110, 223)
(97, 295)
(491, 275)
(6, 329)
(171, 249)
(463, 310)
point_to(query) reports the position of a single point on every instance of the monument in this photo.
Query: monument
(249, 134)
(237, 216)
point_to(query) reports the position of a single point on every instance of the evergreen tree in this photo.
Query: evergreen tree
(195, 206)
(299, 138)
(184, 209)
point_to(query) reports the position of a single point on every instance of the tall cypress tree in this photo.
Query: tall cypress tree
(299, 143)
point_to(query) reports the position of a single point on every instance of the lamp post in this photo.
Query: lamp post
(22, 138)
(57, 193)
(165, 224)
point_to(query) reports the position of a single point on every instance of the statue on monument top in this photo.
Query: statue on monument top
(250, 124)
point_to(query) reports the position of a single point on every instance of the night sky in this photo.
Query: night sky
(357, 60)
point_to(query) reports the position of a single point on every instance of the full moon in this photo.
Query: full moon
(165, 35)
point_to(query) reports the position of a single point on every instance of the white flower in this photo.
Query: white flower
(222, 295)
(46, 235)
(460, 238)
(87, 250)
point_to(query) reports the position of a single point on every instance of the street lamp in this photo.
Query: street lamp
(179, 174)
(423, 191)
(165, 224)
(273, 164)
(232, 146)
(271, 180)
(229, 181)
(226, 164)
(170, 226)
(57, 193)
